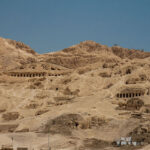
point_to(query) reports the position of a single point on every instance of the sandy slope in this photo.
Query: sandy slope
(80, 109)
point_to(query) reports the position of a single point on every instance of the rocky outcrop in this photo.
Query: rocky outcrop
(131, 104)
(66, 123)
(10, 116)
(8, 127)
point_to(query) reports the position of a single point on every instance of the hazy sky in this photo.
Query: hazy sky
(48, 25)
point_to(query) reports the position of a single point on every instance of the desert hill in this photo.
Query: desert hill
(86, 97)
(89, 52)
(13, 53)
(80, 55)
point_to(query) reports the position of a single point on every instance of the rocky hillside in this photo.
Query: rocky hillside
(80, 55)
(90, 52)
(13, 54)
(86, 97)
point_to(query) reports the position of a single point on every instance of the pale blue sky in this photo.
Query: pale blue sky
(49, 25)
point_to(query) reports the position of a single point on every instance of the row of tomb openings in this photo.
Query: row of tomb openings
(129, 95)
(34, 75)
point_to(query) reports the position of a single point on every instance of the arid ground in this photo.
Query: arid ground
(84, 97)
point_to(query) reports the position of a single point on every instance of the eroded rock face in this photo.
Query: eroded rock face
(66, 123)
(8, 127)
(40, 112)
(32, 106)
(131, 54)
(145, 109)
(2, 110)
(96, 121)
(67, 91)
(105, 75)
(10, 116)
(131, 104)
(141, 133)
(136, 79)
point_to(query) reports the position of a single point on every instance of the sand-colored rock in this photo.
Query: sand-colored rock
(85, 96)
